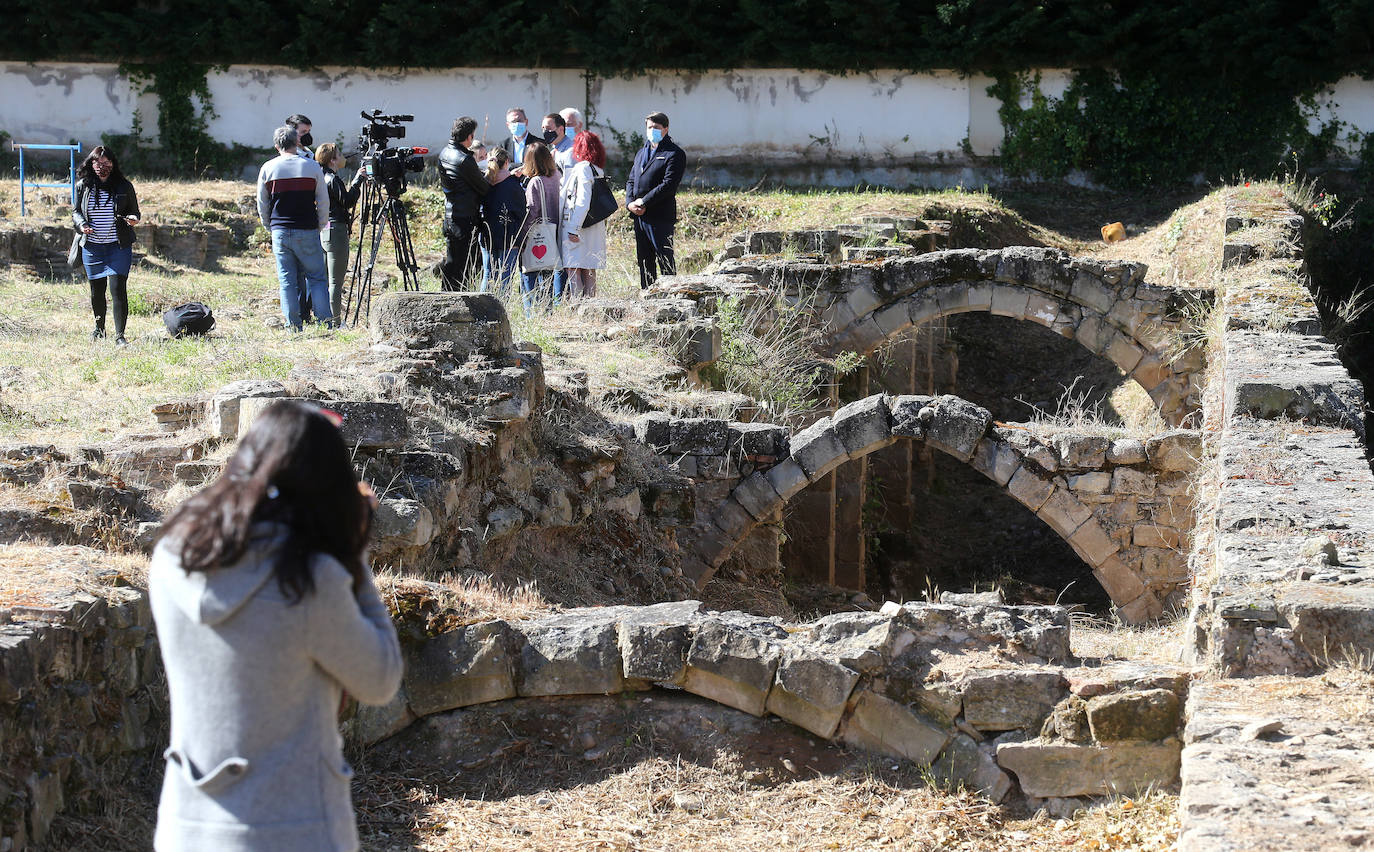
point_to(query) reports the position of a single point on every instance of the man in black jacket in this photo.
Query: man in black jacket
(651, 196)
(464, 189)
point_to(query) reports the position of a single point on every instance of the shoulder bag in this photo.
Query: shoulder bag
(603, 202)
(541, 244)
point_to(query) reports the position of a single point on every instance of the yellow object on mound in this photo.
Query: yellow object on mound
(1115, 232)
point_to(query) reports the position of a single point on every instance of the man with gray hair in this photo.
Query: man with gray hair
(293, 205)
(573, 116)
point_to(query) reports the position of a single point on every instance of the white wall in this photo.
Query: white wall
(887, 126)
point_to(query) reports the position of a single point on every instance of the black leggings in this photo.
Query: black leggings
(119, 295)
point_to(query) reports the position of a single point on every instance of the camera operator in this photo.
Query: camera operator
(464, 189)
(334, 238)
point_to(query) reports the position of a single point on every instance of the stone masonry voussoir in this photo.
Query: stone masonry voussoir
(818, 450)
(811, 689)
(957, 427)
(863, 426)
(757, 496)
(733, 664)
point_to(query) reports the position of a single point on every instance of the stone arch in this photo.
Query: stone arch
(1105, 306)
(962, 430)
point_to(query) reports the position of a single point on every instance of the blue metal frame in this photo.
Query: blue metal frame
(72, 150)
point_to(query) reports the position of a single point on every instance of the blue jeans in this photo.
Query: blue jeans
(537, 289)
(560, 285)
(301, 269)
(506, 268)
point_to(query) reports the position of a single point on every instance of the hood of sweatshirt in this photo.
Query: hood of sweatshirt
(211, 597)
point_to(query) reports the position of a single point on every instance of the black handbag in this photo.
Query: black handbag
(193, 318)
(603, 202)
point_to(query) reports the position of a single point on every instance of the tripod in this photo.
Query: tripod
(381, 212)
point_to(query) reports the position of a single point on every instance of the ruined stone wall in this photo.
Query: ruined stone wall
(988, 696)
(83, 706)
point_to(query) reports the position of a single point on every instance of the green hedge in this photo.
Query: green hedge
(1304, 44)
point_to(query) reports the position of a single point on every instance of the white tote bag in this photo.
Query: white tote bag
(541, 248)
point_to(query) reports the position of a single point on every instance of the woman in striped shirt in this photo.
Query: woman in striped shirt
(106, 208)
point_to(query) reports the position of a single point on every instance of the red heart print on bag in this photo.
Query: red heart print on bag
(539, 252)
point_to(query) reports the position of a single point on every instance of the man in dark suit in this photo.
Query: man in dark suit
(651, 196)
(519, 138)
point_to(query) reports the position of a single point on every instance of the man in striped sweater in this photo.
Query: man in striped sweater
(293, 205)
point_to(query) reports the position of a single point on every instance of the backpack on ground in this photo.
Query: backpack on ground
(190, 318)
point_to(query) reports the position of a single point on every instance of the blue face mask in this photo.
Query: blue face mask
(518, 129)
(655, 135)
(571, 132)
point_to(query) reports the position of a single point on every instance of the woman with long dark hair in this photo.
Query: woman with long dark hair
(266, 613)
(106, 208)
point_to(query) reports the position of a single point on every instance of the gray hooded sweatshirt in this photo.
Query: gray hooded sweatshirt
(256, 762)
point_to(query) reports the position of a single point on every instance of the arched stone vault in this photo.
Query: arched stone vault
(1106, 306)
(1055, 492)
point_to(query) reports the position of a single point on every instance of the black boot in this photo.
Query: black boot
(99, 333)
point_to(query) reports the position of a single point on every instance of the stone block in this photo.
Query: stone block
(980, 296)
(732, 518)
(1093, 333)
(1152, 535)
(758, 439)
(995, 459)
(1152, 371)
(224, 405)
(371, 425)
(863, 641)
(1031, 489)
(654, 641)
(817, 449)
(964, 763)
(655, 430)
(1063, 512)
(1120, 581)
(1151, 714)
(957, 427)
(461, 324)
(732, 664)
(1046, 770)
(1128, 480)
(1123, 352)
(1081, 452)
(576, 652)
(1042, 309)
(907, 419)
(893, 319)
(885, 726)
(400, 523)
(787, 478)
(1011, 700)
(1090, 292)
(374, 723)
(757, 496)
(1092, 543)
(471, 665)
(1096, 482)
(698, 436)
(863, 426)
(952, 298)
(1009, 301)
(1126, 451)
(811, 689)
(1178, 450)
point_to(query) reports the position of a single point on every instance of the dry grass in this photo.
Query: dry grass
(1099, 639)
(451, 601)
(1182, 251)
(641, 798)
(38, 575)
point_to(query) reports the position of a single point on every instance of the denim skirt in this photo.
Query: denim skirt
(105, 259)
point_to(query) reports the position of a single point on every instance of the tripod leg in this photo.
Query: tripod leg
(366, 217)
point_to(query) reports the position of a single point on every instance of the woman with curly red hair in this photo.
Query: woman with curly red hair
(583, 247)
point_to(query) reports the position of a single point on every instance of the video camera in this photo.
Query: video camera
(385, 164)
